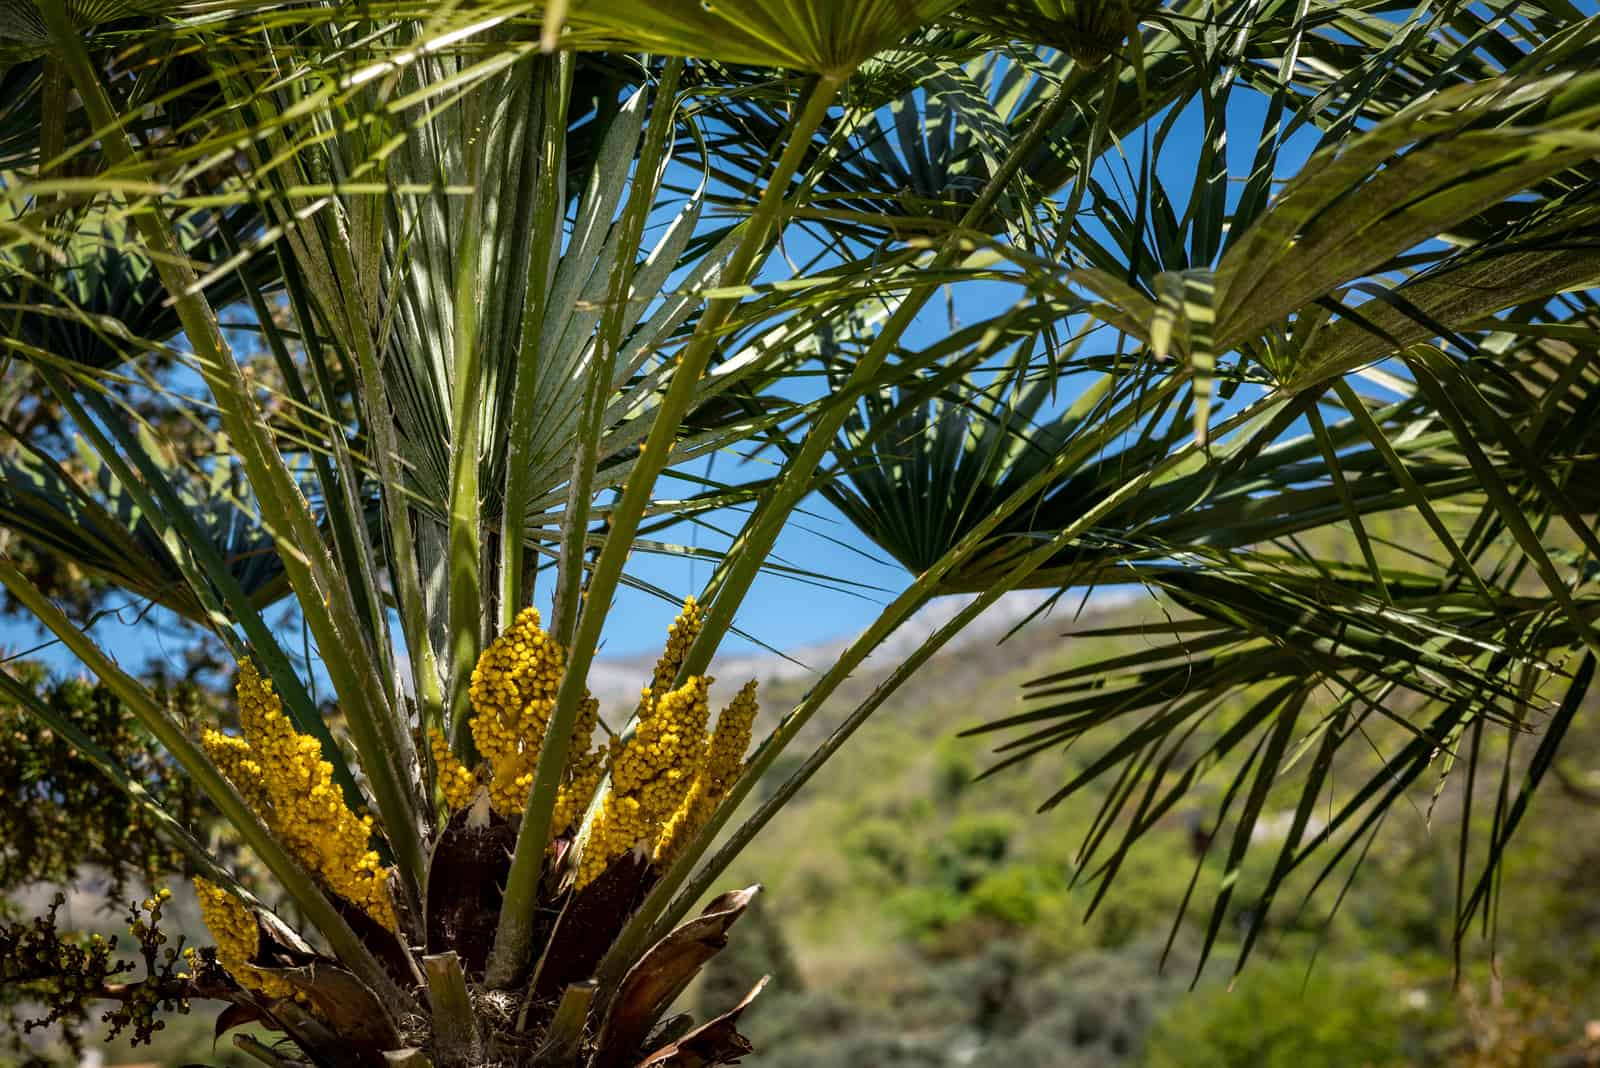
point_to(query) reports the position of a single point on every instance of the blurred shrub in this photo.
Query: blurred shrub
(1096, 1008)
(955, 765)
(970, 850)
(61, 818)
(879, 849)
(757, 948)
(1349, 1015)
(923, 912)
(831, 1028)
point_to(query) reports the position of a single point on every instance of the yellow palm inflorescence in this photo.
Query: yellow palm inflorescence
(680, 635)
(513, 692)
(666, 780)
(235, 759)
(650, 777)
(577, 789)
(513, 688)
(234, 930)
(281, 773)
(456, 780)
(623, 819)
(735, 725)
(723, 761)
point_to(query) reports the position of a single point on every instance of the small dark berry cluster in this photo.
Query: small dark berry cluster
(66, 974)
(63, 972)
(166, 985)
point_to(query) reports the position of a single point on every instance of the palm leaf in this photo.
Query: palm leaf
(826, 38)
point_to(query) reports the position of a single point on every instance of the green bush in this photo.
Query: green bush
(1095, 1008)
(1012, 895)
(955, 766)
(924, 911)
(879, 849)
(1276, 1016)
(971, 849)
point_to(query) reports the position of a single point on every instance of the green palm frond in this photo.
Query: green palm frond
(1088, 30)
(1272, 672)
(102, 302)
(96, 524)
(24, 34)
(1284, 659)
(825, 38)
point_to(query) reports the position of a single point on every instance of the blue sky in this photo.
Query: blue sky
(787, 613)
(781, 612)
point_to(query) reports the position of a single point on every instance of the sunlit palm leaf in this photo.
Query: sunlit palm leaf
(810, 35)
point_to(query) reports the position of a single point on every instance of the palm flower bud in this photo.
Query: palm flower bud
(234, 930)
(281, 772)
(574, 794)
(724, 757)
(680, 635)
(510, 779)
(513, 692)
(234, 758)
(456, 780)
(513, 689)
(735, 725)
(650, 777)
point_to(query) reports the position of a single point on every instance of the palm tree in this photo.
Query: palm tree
(514, 263)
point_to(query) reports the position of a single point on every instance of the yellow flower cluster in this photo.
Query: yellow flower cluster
(456, 780)
(513, 687)
(650, 777)
(669, 777)
(724, 757)
(669, 745)
(234, 930)
(513, 692)
(680, 635)
(735, 725)
(577, 790)
(282, 774)
(235, 759)
(665, 781)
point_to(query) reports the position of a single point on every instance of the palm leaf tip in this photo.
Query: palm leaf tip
(827, 37)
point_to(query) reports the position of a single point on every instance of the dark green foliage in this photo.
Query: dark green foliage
(61, 818)
(67, 977)
(955, 768)
(961, 877)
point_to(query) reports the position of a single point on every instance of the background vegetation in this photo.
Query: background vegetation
(927, 919)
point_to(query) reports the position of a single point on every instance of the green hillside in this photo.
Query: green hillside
(916, 917)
